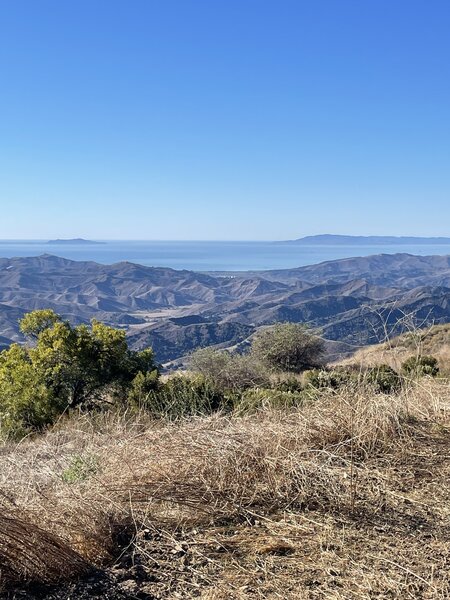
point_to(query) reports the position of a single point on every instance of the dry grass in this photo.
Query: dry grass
(434, 340)
(28, 551)
(345, 498)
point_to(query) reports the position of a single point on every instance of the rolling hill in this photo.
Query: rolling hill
(355, 301)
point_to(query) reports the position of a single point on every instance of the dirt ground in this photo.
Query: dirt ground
(397, 547)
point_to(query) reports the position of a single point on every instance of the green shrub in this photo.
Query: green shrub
(141, 386)
(384, 378)
(418, 366)
(65, 367)
(26, 402)
(229, 372)
(181, 396)
(291, 384)
(256, 399)
(288, 347)
(330, 379)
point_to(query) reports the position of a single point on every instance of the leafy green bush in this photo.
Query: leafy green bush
(141, 386)
(418, 366)
(384, 378)
(26, 402)
(66, 367)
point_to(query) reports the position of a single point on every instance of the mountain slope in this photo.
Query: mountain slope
(355, 301)
(434, 340)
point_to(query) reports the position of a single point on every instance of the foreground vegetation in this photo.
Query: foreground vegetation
(344, 498)
(239, 480)
(65, 367)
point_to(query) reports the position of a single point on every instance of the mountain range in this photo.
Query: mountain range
(354, 302)
(369, 240)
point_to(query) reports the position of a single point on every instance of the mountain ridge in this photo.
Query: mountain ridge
(179, 310)
(332, 239)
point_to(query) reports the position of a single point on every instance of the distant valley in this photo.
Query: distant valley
(353, 301)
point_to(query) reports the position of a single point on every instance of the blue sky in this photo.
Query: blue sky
(224, 119)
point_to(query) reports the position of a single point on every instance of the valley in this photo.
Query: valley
(352, 302)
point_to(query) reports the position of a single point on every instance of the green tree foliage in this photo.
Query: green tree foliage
(288, 347)
(25, 401)
(67, 366)
(36, 322)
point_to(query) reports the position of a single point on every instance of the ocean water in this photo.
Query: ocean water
(208, 256)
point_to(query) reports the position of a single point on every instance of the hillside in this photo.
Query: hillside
(247, 477)
(433, 341)
(345, 498)
(353, 301)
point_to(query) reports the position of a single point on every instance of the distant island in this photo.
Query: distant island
(73, 241)
(369, 240)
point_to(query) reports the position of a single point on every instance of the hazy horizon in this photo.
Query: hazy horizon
(223, 256)
(218, 240)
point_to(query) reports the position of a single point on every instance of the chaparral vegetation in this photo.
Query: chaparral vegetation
(267, 474)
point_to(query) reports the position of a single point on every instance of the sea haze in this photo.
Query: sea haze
(212, 256)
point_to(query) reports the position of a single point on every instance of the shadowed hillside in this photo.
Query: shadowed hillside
(353, 301)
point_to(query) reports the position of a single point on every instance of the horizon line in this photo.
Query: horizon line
(223, 240)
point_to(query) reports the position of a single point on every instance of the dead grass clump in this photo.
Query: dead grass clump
(29, 553)
(230, 471)
(357, 424)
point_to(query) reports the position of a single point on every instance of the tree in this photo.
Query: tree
(66, 367)
(36, 322)
(288, 347)
(25, 401)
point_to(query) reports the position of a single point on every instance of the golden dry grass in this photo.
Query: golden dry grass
(434, 340)
(347, 498)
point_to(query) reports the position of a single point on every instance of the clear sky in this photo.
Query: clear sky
(224, 119)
